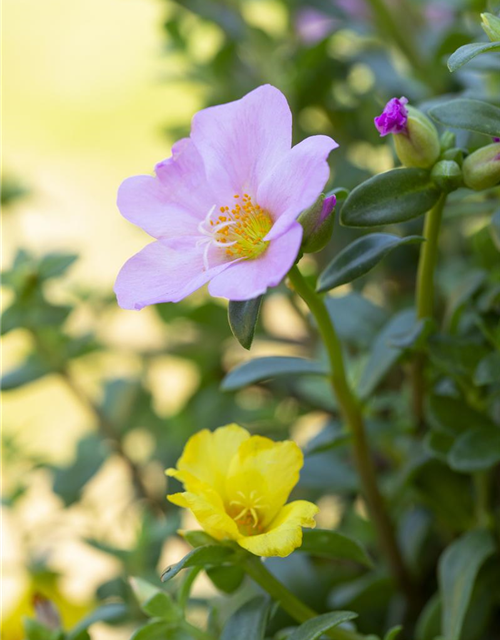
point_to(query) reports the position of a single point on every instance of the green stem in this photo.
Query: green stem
(428, 260)
(187, 585)
(195, 632)
(351, 411)
(425, 297)
(299, 611)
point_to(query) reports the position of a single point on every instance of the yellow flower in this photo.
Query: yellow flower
(237, 486)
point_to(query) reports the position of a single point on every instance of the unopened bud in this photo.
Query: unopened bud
(481, 170)
(447, 175)
(46, 612)
(317, 222)
(491, 26)
(415, 137)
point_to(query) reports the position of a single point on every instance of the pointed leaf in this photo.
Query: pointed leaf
(394, 196)
(472, 115)
(262, 369)
(359, 258)
(243, 318)
(469, 51)
(334, 545)
(208, 555)
(249, 621)
(313, 629)
(458, 568)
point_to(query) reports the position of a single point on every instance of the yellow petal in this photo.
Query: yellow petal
(265, 469)
(208, 454)
(285, 531)
(209, 511)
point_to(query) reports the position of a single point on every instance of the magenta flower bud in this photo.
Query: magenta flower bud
(416, 139)
(495, 139)
(393, 118)
(317, 222)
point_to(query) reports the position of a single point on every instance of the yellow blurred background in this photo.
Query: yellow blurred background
(84, 106)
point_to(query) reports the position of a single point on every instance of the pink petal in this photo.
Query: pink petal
(296, 182)
(173, 203)
(250, 278)
(158, 273)
(240, 142)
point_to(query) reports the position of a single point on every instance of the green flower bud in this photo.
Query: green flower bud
(418, 145)
(481, 170)
(447, 141)
(317, 222)
(455, 153)
(447, 175)
(491, 26)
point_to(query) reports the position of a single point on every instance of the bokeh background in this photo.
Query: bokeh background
(95, 91)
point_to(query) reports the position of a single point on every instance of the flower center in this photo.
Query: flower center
(245, 513)
(239, 230)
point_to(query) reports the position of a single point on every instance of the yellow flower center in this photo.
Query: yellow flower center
(239, 230)
(245, 513)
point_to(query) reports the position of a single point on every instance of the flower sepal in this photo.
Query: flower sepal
(318, 222)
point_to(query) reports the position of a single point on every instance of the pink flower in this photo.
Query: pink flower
(393, 118)
(223, 208)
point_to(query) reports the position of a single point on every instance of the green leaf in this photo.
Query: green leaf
(34, 630)
(154, 602)
(429, 622)
(313, 629)
(30, 370)
(155, 630)
(394, 196)
(454, 416)
(495, 228)
(488, 370)
(208, 555)
(472, 115)
(198, 538)
(249, 621)
(359, 258)
(107, 613)
(243, 318)
(334, 545)
(393, 633)
(458, 568)
(469, 51)
(384, 354)
(475, 450)
(262, 369)
(331, 437)
(356, 319)
(226, 579)
(69, 481)
(53, 265)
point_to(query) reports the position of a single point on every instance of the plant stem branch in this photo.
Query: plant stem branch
(351, 411)
(299, 611)
(425, 296)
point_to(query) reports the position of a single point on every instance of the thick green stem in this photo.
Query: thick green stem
(299, 611)
(425, 296)
(351, 411)
(185, 590)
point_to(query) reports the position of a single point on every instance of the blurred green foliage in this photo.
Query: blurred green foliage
(337, 63)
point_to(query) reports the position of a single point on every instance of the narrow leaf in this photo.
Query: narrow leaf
(313, 629)
(472, 115)
(270, 367)
(360, 257)
(249, 621)
(334, 545)
(469, 51)
(394, 196)
(208, 555)
(458, 568)
(243, 318)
